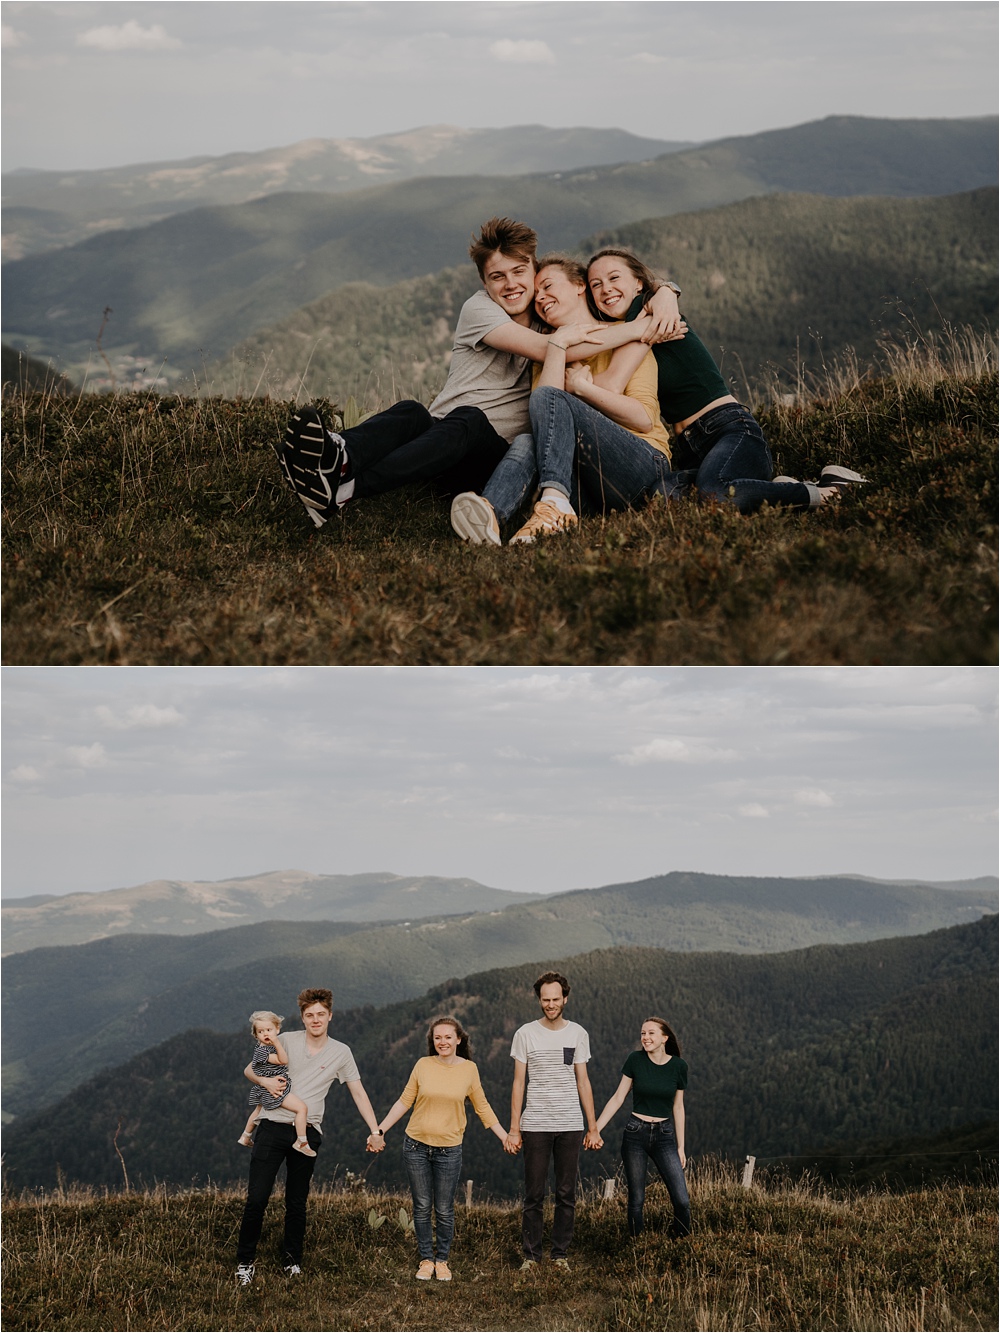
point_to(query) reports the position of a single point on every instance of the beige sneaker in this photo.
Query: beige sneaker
(426, 1270)
(528, 1265)
(475, 520)
(563, 1264)
(441, 1270)
(545, 517)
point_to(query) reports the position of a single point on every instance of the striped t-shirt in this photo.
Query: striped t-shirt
(553, 1102)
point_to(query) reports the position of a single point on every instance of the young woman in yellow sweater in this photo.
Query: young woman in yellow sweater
(432, 1145)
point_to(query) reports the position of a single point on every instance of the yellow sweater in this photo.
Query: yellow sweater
(437, 1093)
(642, 387)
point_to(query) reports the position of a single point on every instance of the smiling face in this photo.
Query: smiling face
(613, 285)
(558, 299)
(265, 1031)
(445, 1040)
(509, 281)
(653, 1038)
(552, 1000)
(316, 1019)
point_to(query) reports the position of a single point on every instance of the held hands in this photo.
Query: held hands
(512, 1143)
(570, 334)
(592, 1139)
(577, 375)
(675, 334)
(665, 316)
(375, 1143)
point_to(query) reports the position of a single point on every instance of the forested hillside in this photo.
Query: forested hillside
(186, 289)
(112, 998)
(784, 282)
(787, 1052)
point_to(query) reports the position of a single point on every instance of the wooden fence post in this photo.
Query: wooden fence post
(468, 1194)
(748, 1167)
(609, 1188)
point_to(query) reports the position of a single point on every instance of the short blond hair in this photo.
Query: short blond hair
(265, 1016)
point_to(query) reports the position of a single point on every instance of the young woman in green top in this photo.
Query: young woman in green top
(657, 1077)
(432, 1145)
(718, 447)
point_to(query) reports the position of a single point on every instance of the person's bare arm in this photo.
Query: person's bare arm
(615, 1103)
(666, 315)
(580, 340)
(625, 362)
(280, 1056)
(679, 1124)
(618, 407)
(275, 1084)
(516, 1103)
(586, 1096)
(357, 1090)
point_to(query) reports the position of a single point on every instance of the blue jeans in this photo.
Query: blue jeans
(641, 1141)
(593, 461)
(731, 460)
(434, 1175)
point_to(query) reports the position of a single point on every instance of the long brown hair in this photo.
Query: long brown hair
(448, 1020)
(640, 271)
(673, 1046)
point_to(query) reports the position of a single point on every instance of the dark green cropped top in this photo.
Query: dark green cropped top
(688, 378)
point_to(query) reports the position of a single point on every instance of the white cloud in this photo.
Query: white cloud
(813, 796)
(667, 750)
(130, 36)
(11, 38)
(523, 53)
(648, 58)
(146, 716)
(24, 773)
(754, 811)
(89, 756)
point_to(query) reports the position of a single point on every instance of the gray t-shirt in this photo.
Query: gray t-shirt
(311, 1075)
(553, 1101)
(498, 383)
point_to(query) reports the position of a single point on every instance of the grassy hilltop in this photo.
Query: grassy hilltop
(149, 529)
(761, 1259)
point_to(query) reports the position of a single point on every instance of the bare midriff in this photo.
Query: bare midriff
(655, 1119)
(716, 402)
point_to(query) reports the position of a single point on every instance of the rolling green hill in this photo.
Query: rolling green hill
(787, 1052)
(45, 209)
(188, 288)
(173, 907)
(766, 282)
(68, 1010)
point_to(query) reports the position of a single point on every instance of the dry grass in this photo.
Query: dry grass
(156, 530)
(780, 1258)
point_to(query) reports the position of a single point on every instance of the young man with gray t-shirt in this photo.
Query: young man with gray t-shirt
(315, 1061)
(551, 1056)
(482, 409)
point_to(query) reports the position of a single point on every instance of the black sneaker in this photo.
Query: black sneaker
(315, 463)
(244, 1275)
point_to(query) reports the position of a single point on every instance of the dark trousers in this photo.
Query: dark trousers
(655, 1142)
(272, 1146)
(563, 1150)
(405, 444)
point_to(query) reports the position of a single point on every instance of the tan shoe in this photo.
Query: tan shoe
(545, 517)
(426, 1270)
(441, 1270)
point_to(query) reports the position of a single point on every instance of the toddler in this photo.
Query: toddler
(270, 1059)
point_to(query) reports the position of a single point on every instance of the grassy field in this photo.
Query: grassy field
(143, 529)
(775, 1258)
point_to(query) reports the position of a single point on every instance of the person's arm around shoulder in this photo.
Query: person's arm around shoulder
(665, 322)
(580, 340)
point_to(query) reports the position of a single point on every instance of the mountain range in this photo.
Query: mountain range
(71, 1009)
(787, 1053)
(778, 284)
(184, 290)
(47, 209)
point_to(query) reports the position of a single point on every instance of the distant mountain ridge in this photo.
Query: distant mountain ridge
(187, 907)
(45, 209)
(144, 989)
(787, 1052)
(185, 290)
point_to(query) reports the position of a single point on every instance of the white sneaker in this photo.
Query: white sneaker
(292, 1270)
(244, 1275)
(475, 520)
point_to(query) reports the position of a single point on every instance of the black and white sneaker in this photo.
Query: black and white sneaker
(244, 1275)
(315, 464)
(292, 1270)
(841, 477)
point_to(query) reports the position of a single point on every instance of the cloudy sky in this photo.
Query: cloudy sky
(90, 85)
(538, 780)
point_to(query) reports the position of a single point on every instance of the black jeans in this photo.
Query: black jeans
(563, 1148)
(272, 1146)
(643, 1142)
(405, 444)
